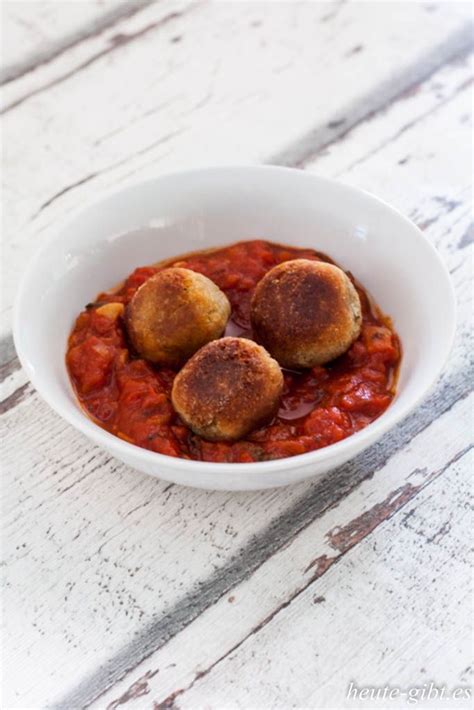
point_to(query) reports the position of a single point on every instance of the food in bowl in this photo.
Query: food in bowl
(230, 387)
(131, 396)
(306, 313)
(173, 314)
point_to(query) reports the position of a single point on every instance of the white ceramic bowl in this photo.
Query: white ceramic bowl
(187, 211)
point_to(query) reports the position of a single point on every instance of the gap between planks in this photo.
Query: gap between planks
(307, 148)
(346, 541)
(117, 41)
(39, 57)
(277, 535)
(366, 577)
(454, 48)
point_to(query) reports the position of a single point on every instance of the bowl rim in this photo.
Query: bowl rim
(75, 415)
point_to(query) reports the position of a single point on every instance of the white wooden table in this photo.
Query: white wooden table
(121, 591)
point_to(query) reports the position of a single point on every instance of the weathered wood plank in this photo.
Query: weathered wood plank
(104, 548)
(82, 139)
(36, 32)
(387, 613)
(299, 570)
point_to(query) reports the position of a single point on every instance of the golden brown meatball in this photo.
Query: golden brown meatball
(173, 314)
(228, 388)
(305, 313)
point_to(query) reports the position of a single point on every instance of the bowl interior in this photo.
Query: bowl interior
(190, 211)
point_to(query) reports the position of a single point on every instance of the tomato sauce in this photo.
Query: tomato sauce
(130, 397)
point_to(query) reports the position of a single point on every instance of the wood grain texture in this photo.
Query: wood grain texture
(34, 33)
(253, 91)
(105, 567)
(296, 567)
(386, 613)
(250, 605)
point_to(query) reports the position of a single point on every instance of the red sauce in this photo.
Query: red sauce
(131, 398)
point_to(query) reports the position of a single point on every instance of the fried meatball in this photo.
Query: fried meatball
(305, 313)
(228, 388)
(173, 314)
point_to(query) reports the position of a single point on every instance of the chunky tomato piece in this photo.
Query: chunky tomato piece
(282, 449)
(328, 425)
(137, 278)
(366, 399)
(90, 363)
